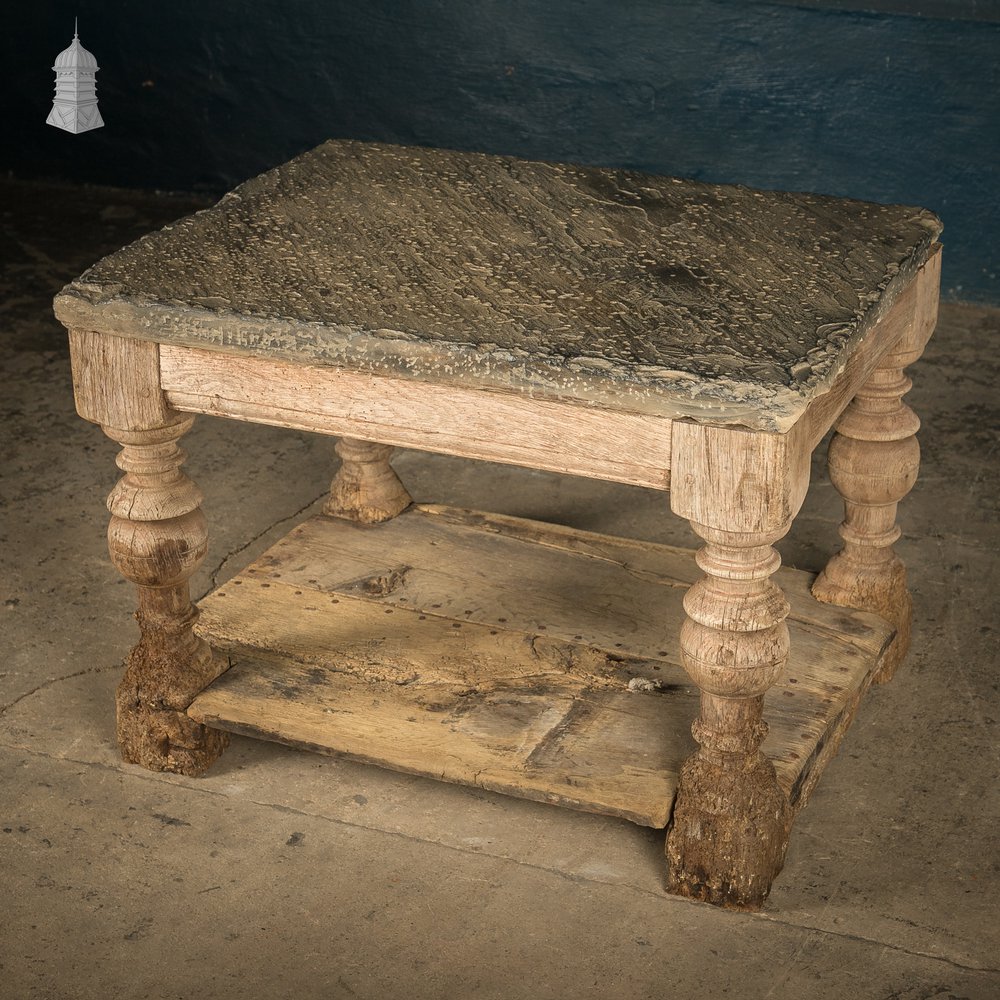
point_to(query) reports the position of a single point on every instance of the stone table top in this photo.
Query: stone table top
(611, 287)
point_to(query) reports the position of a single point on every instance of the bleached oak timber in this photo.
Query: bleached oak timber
(873, 460)
(741, 491)
(116, 380)
(592, 441)
(437, 644)
(492, 426)
(597, 322)
(365, 487)
(731, 820)
(157, 538)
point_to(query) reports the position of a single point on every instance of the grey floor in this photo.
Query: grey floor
(286, 874)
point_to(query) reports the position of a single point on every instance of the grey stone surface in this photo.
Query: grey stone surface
(607, 286)
(287, 874)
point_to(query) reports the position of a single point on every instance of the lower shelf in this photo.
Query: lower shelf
(517, 656)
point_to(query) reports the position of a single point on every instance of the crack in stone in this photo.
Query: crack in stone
(214, 579)
(54, 680)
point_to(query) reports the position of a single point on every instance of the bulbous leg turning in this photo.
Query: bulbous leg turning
(366, 487)
(873, 461)
(157, 539)
(731, 820)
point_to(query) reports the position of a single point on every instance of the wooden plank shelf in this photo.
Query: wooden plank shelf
(522, 657)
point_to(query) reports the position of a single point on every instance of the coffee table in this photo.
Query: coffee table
(692, 338)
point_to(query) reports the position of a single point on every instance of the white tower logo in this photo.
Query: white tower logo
(75, 106)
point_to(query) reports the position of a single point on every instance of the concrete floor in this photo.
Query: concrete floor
(286, 874)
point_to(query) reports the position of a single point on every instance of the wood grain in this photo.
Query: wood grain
(365, 487)
(561, 437)
(494, 426)
(732, 818)
(873, 461)
(116, 381)
(157, 538)
(603, 752)
(523, 657)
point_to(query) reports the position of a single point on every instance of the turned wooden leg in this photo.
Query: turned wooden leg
(873, 461)
(740, 490)
(365, 488)
(731, 820)
(157, 538)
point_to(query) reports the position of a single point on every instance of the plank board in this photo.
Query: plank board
(521, 657)
(596, 443)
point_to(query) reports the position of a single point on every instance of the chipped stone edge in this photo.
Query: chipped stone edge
(590, 382)
(455, 364)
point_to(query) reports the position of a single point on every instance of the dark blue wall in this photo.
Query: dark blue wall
(199, 95)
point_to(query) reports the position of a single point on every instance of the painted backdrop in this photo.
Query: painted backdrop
(880, 104)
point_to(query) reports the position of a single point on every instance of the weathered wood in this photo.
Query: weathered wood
(538, 434)
(157, 539)
(640, 293)
(116, 381)
(873, 459)
(740, 491)
(366, 487)
(570, 584)
(730, 476)
(544, 738)
(596, 322)
(732, 818)
(547, 650)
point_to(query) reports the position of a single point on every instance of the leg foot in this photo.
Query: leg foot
(365, 488)
(163, 673)
(883, 591)
(729, 831)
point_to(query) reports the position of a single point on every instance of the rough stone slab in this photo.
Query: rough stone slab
(605, 286)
